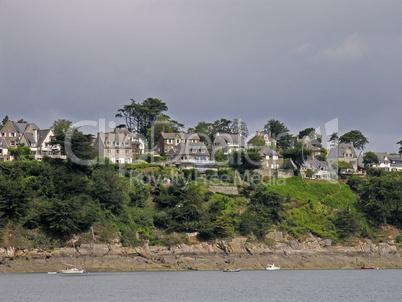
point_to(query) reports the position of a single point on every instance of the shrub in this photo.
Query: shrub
(398, 239)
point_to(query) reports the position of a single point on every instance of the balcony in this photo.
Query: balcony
(198, 162)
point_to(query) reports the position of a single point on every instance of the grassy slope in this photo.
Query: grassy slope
(311, 205)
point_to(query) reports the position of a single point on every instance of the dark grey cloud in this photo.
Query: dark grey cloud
(302, 62)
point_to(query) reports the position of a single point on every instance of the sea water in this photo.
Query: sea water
(258, 285)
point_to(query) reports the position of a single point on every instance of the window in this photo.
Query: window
(12, 134)
(108, 151)
(117, 151)
(108, 143)
(127, 151)
(117, 143)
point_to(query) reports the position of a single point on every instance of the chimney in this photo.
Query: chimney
(35, 135)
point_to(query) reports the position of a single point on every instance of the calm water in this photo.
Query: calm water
(284, 285)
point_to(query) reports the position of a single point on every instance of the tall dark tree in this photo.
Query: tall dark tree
(72, 140)
(5, 120)
(355, 137)
(244, 161)
(382, 196)
(400, 148)
(370, 159)
(306, 132)
(276, 128)
(298, 154)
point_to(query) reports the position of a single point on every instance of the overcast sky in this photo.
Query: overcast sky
(304, 63)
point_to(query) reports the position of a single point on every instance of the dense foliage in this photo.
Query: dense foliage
(47, 203)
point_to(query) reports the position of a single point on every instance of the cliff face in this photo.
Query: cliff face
(312, 254)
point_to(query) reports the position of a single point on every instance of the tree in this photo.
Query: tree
(60, 129)
(400, 148)
(309, 132)
(355, 137)
(276, 128)
(243, 161)
(22, 121)
(370, 159)
(285, 141)
(298, 154)
(22, 152)
(381, 196)
(334, 138)
(5, 120)
(62, 219)
(71, 139)
(207, 131)
(139, 117)
(239, 127)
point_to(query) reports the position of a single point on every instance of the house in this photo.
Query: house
(4, 154)
(120, 146)
(396, 162)
(273, 164)
(384, 162)
(169, 141)
(265, 139)
(319, 169)
(227, 143)
(190, 155)
(343, 152)
(39, 141)
(29, 134)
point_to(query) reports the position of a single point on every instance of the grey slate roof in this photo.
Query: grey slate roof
(337, 152)
(269, 152)
(314, 164)
(223, 139)
(194, 149)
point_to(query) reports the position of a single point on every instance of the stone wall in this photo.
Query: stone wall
(224, 189)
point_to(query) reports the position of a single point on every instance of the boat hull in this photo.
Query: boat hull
(72, 271)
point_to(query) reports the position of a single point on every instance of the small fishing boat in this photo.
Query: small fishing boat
(272, 267)
(231, 270)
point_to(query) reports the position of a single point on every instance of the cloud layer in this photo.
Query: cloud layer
(302, 62)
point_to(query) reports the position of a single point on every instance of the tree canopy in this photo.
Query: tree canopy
(370, 159)
(355, 137)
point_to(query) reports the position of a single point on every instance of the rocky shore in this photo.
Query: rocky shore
(313, 253)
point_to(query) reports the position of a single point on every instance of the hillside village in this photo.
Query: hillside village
(187, 151)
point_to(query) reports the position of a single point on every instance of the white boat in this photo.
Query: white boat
(231, 270)
(272, 267)
(73, 269)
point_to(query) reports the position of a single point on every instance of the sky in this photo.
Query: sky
(305, 63)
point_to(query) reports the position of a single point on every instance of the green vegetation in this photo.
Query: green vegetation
(44, 204)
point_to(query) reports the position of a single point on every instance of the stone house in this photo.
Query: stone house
(396, 162)
(120, 146)
(169, 141)
(227, 143)
(39, 141)
(264, 137)
(14, 134)
(190, 155)
(343, 152)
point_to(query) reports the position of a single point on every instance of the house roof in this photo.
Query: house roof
(269, 152)
(181, 135)
(337, 152)
(313, 163)
(224, 139)
(189, 149)
(262, 136)
(42, 134)
(381, 156)
(3, 143)
(22, 127)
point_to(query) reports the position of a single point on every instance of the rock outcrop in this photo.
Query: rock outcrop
(313, 253)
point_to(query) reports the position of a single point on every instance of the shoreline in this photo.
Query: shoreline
(237, 253)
